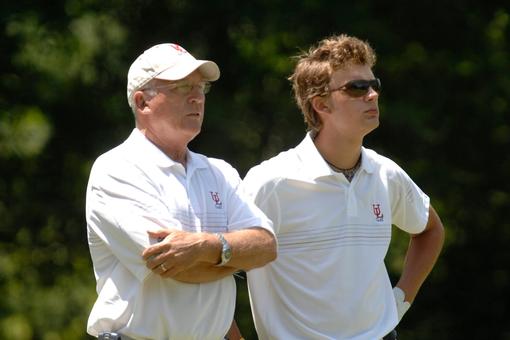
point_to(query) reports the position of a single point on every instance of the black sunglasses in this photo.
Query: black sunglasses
(359, 87)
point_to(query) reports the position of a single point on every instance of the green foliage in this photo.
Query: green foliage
(24, 133)
(445, 119)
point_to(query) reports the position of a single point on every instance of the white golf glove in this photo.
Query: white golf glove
(402, 306)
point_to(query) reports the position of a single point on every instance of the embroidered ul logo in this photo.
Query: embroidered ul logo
(216, 198)
(379, 217)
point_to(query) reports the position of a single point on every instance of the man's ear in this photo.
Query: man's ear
(320, 104)
(139, 98)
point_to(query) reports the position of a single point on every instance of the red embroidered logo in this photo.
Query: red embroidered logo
(178, 48)
(376, 208)
(216, 198)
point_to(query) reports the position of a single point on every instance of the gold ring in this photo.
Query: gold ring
(163, 267)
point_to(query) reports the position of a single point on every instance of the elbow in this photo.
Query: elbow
(435, 229)
(440, 236)
(439, 232)
(261, 247)
(269, 253)
(273, 250)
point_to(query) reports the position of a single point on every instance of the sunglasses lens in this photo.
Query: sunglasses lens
(359, 88)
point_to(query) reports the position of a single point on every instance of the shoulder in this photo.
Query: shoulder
(219, 169)
(270, 172)
(119, 165)
(218, 166)
(381, 163)
(111, 160)
(128, 152)
(222, 166)
(388, 170)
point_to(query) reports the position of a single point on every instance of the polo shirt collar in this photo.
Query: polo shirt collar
(315, 164)
(311, 159)
(196, 161)
(367, 163)
(148, 151)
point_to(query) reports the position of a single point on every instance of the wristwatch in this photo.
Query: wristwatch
(226, 251)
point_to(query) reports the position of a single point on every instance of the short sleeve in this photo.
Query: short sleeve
(410, 206)
(122, 205)
(262, 194)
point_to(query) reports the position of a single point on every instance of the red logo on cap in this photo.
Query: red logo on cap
(178, 48)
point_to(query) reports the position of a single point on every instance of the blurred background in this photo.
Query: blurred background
(445, 69)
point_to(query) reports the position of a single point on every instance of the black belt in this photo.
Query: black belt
(391, 335)
(108, 336)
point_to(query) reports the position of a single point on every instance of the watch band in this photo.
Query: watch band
(226, 250)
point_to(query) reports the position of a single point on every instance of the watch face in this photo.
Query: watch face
(227, 254)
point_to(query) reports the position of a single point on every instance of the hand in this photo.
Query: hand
(402, 306)
(177, 251)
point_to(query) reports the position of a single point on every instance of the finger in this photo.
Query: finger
(153, 250)
(153, 264)
(158, 268)
(159, 233)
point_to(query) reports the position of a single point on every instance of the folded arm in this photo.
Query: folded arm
(193, 257)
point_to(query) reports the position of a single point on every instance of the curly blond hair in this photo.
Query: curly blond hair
(314, 69)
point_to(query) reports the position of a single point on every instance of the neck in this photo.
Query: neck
(339, 152)
(177, 151)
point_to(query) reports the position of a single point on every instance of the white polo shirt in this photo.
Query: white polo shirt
(329, 280)
(134, 188)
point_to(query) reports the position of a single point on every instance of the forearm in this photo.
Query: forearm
(251, 248)
(422, 254)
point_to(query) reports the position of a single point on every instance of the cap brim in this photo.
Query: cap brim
(209, 70)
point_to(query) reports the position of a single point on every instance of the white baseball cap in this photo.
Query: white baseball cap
(167, 62)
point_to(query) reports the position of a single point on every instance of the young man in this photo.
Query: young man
(168, 227)
(332, 203)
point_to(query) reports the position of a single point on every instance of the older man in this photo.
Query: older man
(333, 203)
(168, 227)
